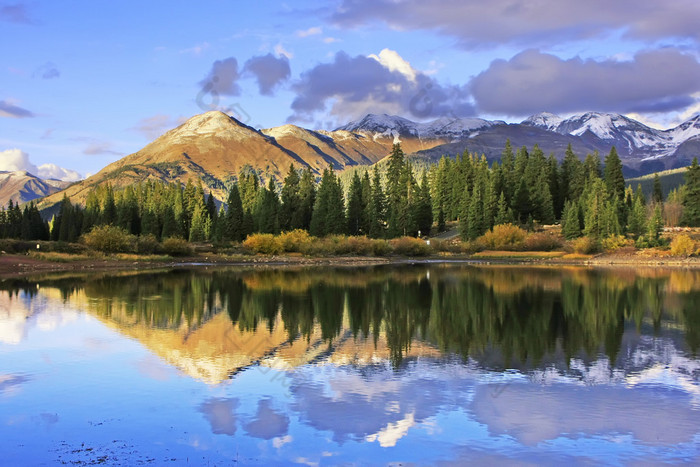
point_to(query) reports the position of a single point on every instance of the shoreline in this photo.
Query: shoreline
(20, 265)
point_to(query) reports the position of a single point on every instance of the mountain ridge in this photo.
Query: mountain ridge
(215, 147)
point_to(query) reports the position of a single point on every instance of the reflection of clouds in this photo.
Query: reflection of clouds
(221, 414)
(10, 383)
(267, 423)
(389, 435)
(533, 414)
(381, 404)
(20, 312)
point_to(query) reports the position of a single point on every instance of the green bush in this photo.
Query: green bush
(176, 246)
(503, 237)
(683, 245)
(110, 239)
(409, 246)
(147, 244)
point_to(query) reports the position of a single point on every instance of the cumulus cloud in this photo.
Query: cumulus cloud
(10, 110)
(52, 171)
(478, 24)
(13, 160)
(14, 14)
(653, 81)
(352, 86)
(153, 127)
(269, 71)
(46, 71)
(223, 78)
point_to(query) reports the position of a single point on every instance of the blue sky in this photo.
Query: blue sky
(84, 83)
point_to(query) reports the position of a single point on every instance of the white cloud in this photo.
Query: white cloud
(394, 62)
(13, 160)
(330, 40)
(309, 32)
(52, 171)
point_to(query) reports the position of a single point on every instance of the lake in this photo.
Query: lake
(441, 363)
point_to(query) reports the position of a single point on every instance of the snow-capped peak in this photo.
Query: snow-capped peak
(545, 120)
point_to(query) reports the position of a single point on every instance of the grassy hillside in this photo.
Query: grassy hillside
(670, 179)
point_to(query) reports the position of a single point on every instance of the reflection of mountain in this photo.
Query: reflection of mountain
(213, 324)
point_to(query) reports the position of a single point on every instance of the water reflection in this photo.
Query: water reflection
(417, 363)
(213, 324)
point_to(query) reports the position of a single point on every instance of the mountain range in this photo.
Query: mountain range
(215, 147)
(22, 187)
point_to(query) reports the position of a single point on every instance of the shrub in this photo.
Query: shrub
(266, 244)
(110, 239)
(503, 237)
(147, 244)
(295, 241)
(409, 246)
(614, 242)
(176, 246)
(584, 245)
(541, 241)
(683, 245)
(361, 246)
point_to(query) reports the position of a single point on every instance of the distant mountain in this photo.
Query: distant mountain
(214, 147)
(21, 187)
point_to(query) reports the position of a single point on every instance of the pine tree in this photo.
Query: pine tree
(655, 226)
(307, 197)
(329, 210)
(424, 209)
(571, 227)
(503, 214)
(109, 208)
(267, 207)
(595, 224)
(691, 197)
(657, 195)
(572, 176)
(377, 207)
(636, 221)
(355, 202)
(290, 199)
(614, 179)
(233, 230)
(522, 204)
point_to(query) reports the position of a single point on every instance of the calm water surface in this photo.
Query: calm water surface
(425, 364)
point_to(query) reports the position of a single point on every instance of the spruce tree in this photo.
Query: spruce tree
(355, 214)
(657, 195)
(377, 207)
(571, 227)
(636, 221)
(307, 197)
(614, 179)
(503, 214)
(233, 230)
(424, 208)
(691, 197)
(290, 199)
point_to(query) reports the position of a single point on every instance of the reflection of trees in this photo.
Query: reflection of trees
(520, 314)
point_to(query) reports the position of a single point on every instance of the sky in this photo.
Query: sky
(85, 83)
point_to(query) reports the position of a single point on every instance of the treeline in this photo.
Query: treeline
(525, 188)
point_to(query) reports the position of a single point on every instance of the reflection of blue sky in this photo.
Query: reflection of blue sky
(82, 382)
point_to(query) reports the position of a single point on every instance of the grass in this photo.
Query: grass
(56, 257)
